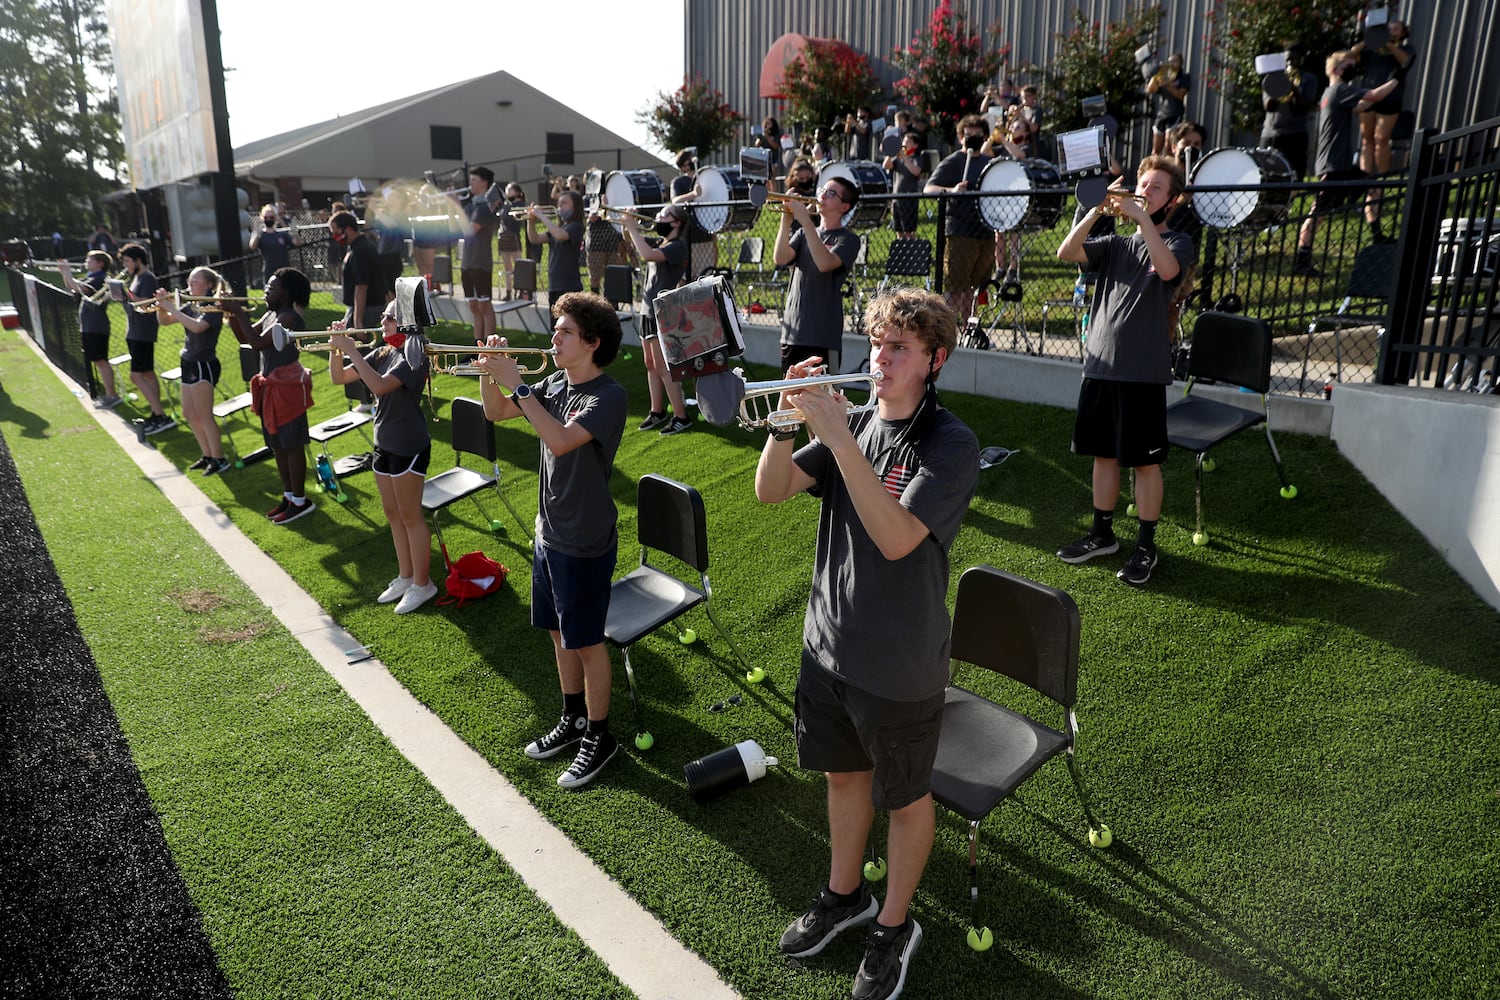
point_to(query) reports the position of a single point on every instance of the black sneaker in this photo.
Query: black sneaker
(569, 730)
(279, 509)
(593, 754)
(677, 426)
(811, 932)
(157, 423)
(1088, 547)
(216, 466)
(888, 953)
(294, 511)
(1137, 569)
(1305, 268)
(202, 463)
(652, 421)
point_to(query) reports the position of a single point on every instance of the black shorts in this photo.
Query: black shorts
(208, 371)
(1126, 421)
(142, 355)
(1329, 199)
(1166, 123)
(1390, 105)
(95, 346)
(391, 266)
(843, 729)
(289, 436)
(477, 283)
(793, 353)
(570, 595)
(388, 463)
(648, 328)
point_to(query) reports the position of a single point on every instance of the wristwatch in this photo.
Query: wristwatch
(520, 392)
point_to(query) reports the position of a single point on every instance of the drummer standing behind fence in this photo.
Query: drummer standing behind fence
(970, 254)
(906, 169)
(813, 323)
(685, 190)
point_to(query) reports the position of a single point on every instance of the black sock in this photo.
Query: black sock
(574, 705)
(1147, 538)
(598, 727)
(844, 898)
(1104, 523)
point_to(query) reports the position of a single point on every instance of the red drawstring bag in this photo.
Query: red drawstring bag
(471, 577)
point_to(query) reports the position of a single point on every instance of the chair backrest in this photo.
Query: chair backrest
(524, 275)
(472, 433)
(1374, 272)
(249, 363)
(1017, 627)
(752, 249)
(358, 391)
(619, 283)
(670, 519)
(909, 258)
(1228, 347)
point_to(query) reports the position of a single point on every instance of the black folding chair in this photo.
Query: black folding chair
(1233, 349)
(1370, 283)
(523, 281)
(1029, 633)
(473, 434)
(670, 520)
(907, 258)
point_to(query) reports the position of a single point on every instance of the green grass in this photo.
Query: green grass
(1290, 731)
(322, 862)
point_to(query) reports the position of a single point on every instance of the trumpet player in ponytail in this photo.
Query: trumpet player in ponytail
(1122, 403)
(200, 362)
(93, 319)
(892, 486)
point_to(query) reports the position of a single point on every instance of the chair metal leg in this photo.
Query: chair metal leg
(1276, 457)
(635, 702)
(525, 528)
(1198, 492)
(709, 608)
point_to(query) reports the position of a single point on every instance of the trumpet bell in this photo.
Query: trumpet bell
(757, 405)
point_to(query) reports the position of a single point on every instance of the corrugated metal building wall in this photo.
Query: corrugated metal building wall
(1456, 82)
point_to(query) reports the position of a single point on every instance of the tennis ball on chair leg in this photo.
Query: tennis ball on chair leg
(1130, 510)
(875, 870)
(1101, 836)
(1200, 538)
(644, 741)
(755, 675)
(687, 637)
(980, 938)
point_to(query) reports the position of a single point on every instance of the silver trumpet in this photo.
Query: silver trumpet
(756, 404)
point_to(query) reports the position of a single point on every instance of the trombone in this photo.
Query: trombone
(756, 411)
(281, 337)
(457, 359)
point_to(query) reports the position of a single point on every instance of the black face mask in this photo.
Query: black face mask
(664, 229)
(974, 142)
(1160, 215)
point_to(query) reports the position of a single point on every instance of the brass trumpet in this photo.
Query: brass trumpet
(607, 211)
(1112, 199)
(454, 359)
(205, 303)
(281, 336)
(522, 213)
(790, 196)
(755, 406)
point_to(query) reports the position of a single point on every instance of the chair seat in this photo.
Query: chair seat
(986, 751)
(1197, 423)
(172, 374)
(334, 426)
(232, 405)
(119, 359)
(454, 484)
(644, 601)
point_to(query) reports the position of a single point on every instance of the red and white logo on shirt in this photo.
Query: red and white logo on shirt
(898, 479)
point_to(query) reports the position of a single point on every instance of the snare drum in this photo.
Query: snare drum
(871, 211)
(1023, 206)
(726, 200)
(1248, 168)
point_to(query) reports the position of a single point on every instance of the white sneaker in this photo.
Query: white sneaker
(397, 587)
(415, 597)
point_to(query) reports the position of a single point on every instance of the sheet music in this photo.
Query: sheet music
(1081, 149)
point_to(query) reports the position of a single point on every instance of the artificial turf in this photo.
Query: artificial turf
(1290, 731)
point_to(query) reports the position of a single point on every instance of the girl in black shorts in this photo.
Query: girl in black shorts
(200, 363)
(402, 450)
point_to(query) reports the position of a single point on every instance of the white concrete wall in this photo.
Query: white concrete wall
(1436, 457)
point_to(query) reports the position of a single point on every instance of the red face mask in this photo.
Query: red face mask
(396, 340)
(340, 238)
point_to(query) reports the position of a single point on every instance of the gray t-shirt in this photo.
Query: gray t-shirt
(575, 513)
(92, 317)
(141, 325)
(201, 346)
(814, 315)
(1128, 340)
(1338, 128)
(882, 625)
(562, 260)
(667, 274)
(400, 426)
(1290, 117)
(478, 252)
(963, 211)
(1169, 107)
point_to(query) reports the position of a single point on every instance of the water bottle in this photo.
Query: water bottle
(1078, 290)
(325, 472)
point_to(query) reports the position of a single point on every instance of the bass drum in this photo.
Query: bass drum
(726, 200)
(871, 211)
(1024, 205)
(1246, 168)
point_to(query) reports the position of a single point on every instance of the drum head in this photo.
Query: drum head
(841, 170)
(628, 188)
(1004, 214)
(713, 186)
(1247, 168)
